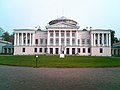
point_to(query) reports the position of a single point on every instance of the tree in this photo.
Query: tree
(7, 37)
(113, 38)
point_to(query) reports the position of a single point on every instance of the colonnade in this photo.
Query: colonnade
(24, 39)
(100, 39)
(70, 37)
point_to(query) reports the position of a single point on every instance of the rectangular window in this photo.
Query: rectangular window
(57, 41)
(73, 41)
(101, 50)
(83, 41)
(78, 41)
(57, 34)
(45, 41)
(62, 34)
(68, 41)
(68, 34)
(51, 41)
(89, 50)
(36, 41)
(40, 50)
(23, 49)
(41, 41)
(45, 50)
(83, 50)
(35, 49)
(73, 34)
(51, 34)
(62, 41)
(78, 50)
(88, 41)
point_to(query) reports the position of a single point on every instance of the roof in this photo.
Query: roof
(62, 19)
(8, 46)
(116, 45)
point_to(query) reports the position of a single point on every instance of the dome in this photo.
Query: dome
(63, 19)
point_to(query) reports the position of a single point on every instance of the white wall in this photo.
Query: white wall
(95, 51)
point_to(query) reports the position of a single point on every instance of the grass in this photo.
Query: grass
(55, 61)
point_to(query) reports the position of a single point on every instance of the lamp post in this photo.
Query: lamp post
(36, 56)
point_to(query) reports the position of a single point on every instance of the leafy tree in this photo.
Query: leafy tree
(113, 38)
(7, 37)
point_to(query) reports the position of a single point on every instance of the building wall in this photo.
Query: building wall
(95, 51)
(63, 37)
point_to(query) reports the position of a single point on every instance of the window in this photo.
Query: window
(40, 50)
(73, 34)
(88, 41)
(83, 41)
(51, 41)
(62, 34)
(23, 50)
(101, 50)
(35, 49)
(78, 50)
(73, 41)
(36, 41)
(45, 50)
(45, 41)
(41, 41)
(83, 50)
(68, 34)
(78, 41)
(57, 41)
(62, 41)
(51, 34)
(89, 50)
(57, 34)
(68, 41)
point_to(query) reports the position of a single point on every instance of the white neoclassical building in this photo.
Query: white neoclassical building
(64, 35)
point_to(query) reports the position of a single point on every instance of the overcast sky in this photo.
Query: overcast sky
(28, 14)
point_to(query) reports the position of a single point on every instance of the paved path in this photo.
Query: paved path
(28, 78)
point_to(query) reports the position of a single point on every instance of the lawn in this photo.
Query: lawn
(55, 61)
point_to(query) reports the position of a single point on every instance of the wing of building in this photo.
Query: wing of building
(64, 35)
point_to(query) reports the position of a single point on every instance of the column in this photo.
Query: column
(109, 39)
(106, 39)
(14, 38)
(54, 38)
(98, 39)
(76, 37)
(48, 38)
(94, 42)
(26, 39)
(65, 38)
(92, 39)
(70, 37)
(30, 39)
(18, 39)
(102, 39)
(59, 38)
(22, 39)
(33, 39)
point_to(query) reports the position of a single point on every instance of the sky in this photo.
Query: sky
(28, 14)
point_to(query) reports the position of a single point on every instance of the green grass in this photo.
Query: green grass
(55, 61)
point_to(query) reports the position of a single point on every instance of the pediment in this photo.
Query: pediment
(62, 24)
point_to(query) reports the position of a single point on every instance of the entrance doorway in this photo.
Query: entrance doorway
(67, 50)
(51, 50)
(73, 50)
(56, 50)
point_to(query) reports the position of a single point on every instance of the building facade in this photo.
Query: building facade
(62, 35)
